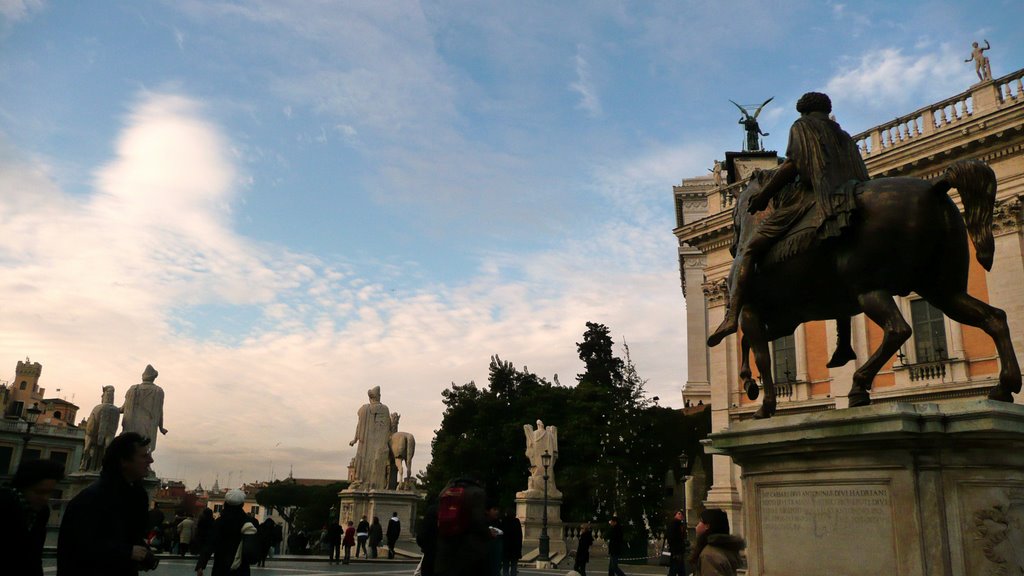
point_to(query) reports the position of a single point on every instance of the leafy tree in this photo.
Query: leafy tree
(305, 507)
(616, 445)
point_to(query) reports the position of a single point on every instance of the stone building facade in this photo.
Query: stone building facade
(54, 436)
(943, 360)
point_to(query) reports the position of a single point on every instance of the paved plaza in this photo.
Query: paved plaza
(172, 567)
(175, 567)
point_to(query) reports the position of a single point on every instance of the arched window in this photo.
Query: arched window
(57, 415)
(23, 384)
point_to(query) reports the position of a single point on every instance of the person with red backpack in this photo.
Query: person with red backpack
(462, 530)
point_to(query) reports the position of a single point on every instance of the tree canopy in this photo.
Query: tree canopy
(616, 445)
(305, 507)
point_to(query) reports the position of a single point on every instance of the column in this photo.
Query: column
(698, 384)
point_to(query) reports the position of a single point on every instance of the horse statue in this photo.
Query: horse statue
(907, 236)
(403, 447)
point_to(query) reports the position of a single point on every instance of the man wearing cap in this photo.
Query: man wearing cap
(225, 543)
(104, 526)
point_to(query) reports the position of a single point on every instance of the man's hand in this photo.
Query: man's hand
(352, 443)
(139, 553)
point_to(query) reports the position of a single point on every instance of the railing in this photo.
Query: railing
(925, 121)
(928, 370)
(19, 426)
(1011, 86)
(936, 117)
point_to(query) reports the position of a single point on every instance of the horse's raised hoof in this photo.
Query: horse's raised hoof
(750, 387)
(841, 357)
(767, 410)
(859, 399)
(1001, 395)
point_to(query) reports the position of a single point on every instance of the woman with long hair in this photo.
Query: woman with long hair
(717, 552)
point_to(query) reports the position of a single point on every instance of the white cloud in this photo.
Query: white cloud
(886, 78)
(18, 10)
(590, 102)
(265, 354)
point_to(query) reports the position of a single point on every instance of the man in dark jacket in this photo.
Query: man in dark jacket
(362, 535)
(25, 510)
(376, 536)
(393, 533)
(227, 544)
(463, 534)
(616, 545)
(426, 539)
(104, 526)
(513, 545)
(676, 545)
(334, 534)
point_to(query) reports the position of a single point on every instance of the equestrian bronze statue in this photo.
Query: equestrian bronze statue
(832, 245)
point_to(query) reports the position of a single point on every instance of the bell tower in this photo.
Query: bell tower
(24, 387)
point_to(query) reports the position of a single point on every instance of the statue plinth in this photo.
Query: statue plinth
(81, 479)
(354, 503)
(885, 489)
(530, 511)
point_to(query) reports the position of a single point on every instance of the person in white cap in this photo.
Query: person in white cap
(225, 543)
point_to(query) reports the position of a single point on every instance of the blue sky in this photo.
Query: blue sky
(281, 204)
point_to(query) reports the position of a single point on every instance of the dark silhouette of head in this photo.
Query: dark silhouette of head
(814, 102)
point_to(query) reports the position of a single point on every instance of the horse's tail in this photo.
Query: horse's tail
(976, 183)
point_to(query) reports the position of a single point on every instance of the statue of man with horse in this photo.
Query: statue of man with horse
(836, 244)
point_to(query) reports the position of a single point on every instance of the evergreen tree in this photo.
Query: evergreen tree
(615, 444)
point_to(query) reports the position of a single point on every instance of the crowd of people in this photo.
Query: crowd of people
(108, 529)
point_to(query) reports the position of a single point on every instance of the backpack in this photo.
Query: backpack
(453, 512)
(248, 552)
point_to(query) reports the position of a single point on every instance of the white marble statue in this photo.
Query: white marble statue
(373, 433)
(403, 447)
(538, 441)
(100, 429)
(143, 408)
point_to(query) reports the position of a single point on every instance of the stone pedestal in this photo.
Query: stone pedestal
(906, 489)
(79, 481)
(354, 504)
(530, 511)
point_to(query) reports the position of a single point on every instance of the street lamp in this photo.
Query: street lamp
(684, 462)
(544, 555)
(31, 415)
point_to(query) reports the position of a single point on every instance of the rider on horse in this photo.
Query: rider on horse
(829, 167)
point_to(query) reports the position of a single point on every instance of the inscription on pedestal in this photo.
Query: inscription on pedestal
(843, 530)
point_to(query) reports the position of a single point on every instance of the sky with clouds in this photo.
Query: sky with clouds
(280, 204)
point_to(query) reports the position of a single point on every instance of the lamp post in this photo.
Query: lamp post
(684, 462)
(544, 552)
(31, 415)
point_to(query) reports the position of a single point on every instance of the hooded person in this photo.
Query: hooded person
(25, 509)
(717, 552)
(225, 543)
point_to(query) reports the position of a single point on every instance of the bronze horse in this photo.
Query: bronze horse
(907, 236)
